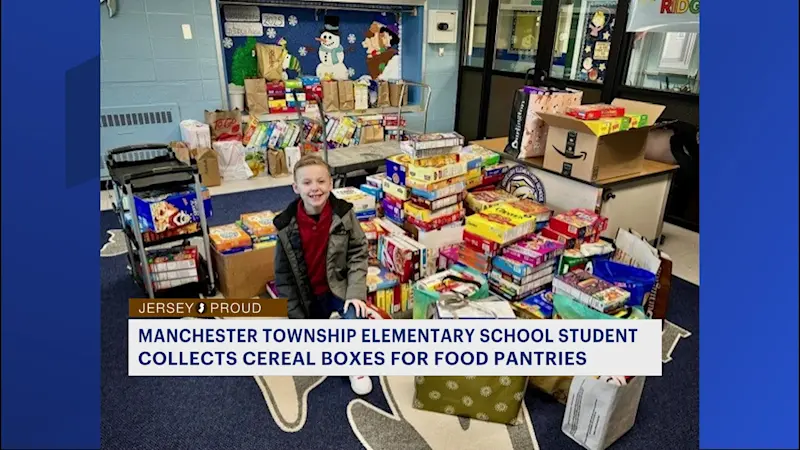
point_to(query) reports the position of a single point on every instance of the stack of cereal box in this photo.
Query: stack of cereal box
(575, 228)
(491, 171)
(496, 227)
(386, 292)
(395, 191)
(525, 268)
(363, 203)
(591, 291)
(259, 226)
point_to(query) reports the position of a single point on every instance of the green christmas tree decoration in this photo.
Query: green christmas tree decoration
(244, 64)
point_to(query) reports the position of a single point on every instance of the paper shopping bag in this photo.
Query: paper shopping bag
(493, 399)
(270, 61)
(225, 125)
(347, 97)
(330, 96)
(599, 412)
(255, 91)
(383, 95)
(395, 91)
(527, 131)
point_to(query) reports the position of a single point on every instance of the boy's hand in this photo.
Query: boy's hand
(359, 306)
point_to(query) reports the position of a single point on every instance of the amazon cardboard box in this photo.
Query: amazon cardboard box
(246, 274)
(595, 150)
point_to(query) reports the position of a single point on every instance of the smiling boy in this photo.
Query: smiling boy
(321, 254)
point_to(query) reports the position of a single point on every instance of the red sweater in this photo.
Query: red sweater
(314, 234)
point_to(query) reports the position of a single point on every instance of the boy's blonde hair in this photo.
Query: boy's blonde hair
(310, 159)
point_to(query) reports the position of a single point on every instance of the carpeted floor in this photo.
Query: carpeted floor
(322, 413)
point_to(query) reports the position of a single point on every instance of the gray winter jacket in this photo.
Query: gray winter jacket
(346, 262)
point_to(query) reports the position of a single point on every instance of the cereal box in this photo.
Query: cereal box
(392, 210)
(435, 205)
(377, 179)
(437, 172)
(488, 157)
(395, 190)
(534, 251)
(259, 224)
(229, 238)
(472, 161)
(578, 223)
(427, 215)
(481, 200)
(534, 274)
(159, 211)
(379, 278)
(360, 200)
(497, 280)
(532, 209)
(496, 171)
(637, 120)
(595, 111)
(433, 185)
(430, 141)
(472, 183)
(440, 189)
(438, 222)
(500, 224)
(169, 269)
(398, 257)
(481, 244)
(537, 306)
(590, 291)
(568, 241)
(397, 167)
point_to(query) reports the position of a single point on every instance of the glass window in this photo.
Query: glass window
(517, 37)
(583, 39)
(667, 61)
(479, 18)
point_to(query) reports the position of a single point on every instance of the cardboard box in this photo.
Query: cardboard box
(245, 274)
(208, 166)
(590, 152)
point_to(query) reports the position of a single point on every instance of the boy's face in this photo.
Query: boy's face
(313, 184)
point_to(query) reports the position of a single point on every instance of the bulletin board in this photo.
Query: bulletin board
(344, 44)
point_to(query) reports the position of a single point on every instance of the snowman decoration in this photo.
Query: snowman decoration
(331, 53)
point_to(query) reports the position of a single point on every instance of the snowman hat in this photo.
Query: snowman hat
(331, 25)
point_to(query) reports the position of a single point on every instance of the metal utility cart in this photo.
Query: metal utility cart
(140, 168)
(370, 157)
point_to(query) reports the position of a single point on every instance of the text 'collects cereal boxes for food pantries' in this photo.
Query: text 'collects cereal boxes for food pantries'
(360, 200)
(595, 150)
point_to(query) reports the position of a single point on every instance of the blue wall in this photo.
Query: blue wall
(146, 61)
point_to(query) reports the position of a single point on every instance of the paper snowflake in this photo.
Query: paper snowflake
(292, 21)
(227, 42)
(271, 33)
(588, 49)
(602, 66)
(302, 51)
(606, 36)
(351, 71)
(351, 38)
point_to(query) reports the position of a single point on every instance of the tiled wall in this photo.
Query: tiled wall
(145, 60)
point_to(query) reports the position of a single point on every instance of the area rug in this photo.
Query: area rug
(323, 413)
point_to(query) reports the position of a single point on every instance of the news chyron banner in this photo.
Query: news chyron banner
(253, 337)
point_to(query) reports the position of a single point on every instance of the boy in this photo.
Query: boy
(321, 254)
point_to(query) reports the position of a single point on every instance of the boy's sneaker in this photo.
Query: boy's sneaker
(361, 385)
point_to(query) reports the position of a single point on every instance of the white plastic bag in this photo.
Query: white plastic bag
(232, 163)
(599, 412)
(195, 134)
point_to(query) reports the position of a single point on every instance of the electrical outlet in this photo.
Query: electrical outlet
(187, 31)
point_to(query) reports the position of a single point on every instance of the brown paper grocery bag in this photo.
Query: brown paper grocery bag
(372, 133)
(270, 61)
(347, 95)
(383, 95)
(330, 96)
(276, 162)
(181, 151)
(255, 90)
(225, 125)
(394, 94)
